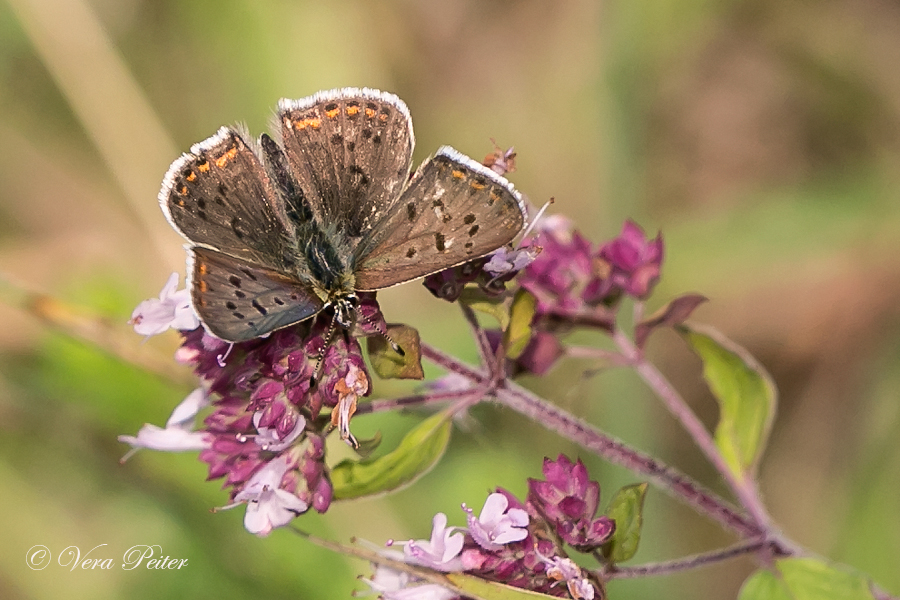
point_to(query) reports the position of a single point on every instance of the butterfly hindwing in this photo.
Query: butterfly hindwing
(350, 151)
(239, 300)
(220, 196)
(454, 210)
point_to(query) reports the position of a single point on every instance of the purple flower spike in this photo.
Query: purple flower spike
(569, 500)
(561, 271)
(634, 261)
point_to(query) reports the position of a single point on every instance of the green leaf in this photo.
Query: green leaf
(806, 579)
(496, 307)
(474, 587)
(746, 396)
(626, 509)
(390, 364)
(416, 454)
(517, 335)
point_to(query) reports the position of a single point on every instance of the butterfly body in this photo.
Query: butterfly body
(279, 230)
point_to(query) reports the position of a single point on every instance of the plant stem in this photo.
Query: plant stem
(375, 406)
(555, 419)
(688, 562)
(744, 488)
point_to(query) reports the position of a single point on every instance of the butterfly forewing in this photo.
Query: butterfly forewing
(220, 196)
(239, 300)
(350, 152)
(454, 210)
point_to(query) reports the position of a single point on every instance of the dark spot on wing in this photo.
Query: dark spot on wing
(259, 307)
(473, 230)
(248, 273)
(234, 280)
(230, 305)
(411, 252)
(469, 219)
(234, 227)
(439, 242)
(411, 211)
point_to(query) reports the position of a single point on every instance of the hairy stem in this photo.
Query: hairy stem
(555, 419)
(688, 562)
(744, 488)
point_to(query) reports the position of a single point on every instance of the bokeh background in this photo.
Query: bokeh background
(760, 136)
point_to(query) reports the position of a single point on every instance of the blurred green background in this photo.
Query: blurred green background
(761, 137)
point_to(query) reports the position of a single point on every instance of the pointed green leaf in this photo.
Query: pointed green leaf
(518, 333)
(489, 305)
(390, 364)
(417, 453)
(746, 396)
(806, 579)
(626, 509)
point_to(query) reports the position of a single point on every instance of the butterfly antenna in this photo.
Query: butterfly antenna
(537, 217)
(315, 376)
(377, 327)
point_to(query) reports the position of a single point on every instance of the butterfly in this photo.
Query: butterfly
(282, 228)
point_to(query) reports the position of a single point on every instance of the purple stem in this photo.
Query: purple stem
(744, 488)
(484, 347)
(689, 562)
(418, 400)
(555, 419)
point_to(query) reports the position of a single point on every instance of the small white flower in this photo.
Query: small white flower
(442, 551)
(504, 260)
(397, 585)
(178, 435)
(269, 506)
(171, 310)
(496, 525)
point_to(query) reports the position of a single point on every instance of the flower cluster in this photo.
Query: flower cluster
(573, 283)
(511, 543)
(264, 435)
(570, 276)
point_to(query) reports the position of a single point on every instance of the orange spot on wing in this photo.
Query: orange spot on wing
(332, 113)
(191, 176)
(459, 174)
(223, 160)
(183, 191)
(201, 268)
(370, 112)
(203, 287)
(313, 122)
(352, 111)
(476, 185)
(203, 167)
